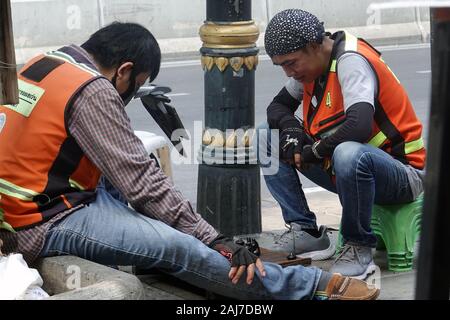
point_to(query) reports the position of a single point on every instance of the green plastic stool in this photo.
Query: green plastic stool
(397, 228)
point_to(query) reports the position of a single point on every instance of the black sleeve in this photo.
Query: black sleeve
(280, 112)
(356, 127)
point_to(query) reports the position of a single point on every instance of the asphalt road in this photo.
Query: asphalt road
(411, 64)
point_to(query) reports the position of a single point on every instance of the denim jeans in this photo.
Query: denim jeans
(116, 194)
(364, 175)
(109, 232)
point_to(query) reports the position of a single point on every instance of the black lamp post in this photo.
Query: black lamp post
(228, 194)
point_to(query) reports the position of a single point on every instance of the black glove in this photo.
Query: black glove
(291, 142)
(310, 154)
(238, 255)
(251, 244)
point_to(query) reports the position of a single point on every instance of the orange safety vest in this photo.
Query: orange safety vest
(396, 128)
(43, 171)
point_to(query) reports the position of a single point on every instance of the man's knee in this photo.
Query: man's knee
(171, 242)
(347, 154)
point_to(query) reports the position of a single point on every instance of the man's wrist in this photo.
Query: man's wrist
(220, 237)
(324, 149)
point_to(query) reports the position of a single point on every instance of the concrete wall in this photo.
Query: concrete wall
(346, 13)
(50, 23)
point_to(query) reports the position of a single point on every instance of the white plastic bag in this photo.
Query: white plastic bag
(33, 293)
(18, 281)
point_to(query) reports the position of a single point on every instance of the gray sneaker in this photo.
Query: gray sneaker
(305, 245)
(354, 261)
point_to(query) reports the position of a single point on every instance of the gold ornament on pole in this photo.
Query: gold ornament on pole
(234, 35)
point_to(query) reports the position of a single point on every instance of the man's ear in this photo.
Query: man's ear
(124, 70)
(313, 47)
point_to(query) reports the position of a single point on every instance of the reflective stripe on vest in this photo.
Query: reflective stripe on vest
(333, 66)
(380, 138)
(351, 44)
(65, 57)
(414, 146)
(15, 191)
(76, 185)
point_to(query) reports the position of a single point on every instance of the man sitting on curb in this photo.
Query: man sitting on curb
(69, 128)
(359, 136)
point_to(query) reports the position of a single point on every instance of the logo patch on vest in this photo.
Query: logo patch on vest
(29, 96)
(328, 102)
(2, 121)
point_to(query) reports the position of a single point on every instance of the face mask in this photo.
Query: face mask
(130, 92)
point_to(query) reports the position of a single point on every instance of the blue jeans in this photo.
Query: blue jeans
(364, 175)
(109, 232)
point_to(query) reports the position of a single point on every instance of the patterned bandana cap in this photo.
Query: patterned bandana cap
(291, 30)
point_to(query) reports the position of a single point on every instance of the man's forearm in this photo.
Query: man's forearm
(357, 127)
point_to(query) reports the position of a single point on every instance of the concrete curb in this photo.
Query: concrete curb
(73, 278)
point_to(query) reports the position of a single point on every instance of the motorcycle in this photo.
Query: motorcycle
(157, 104)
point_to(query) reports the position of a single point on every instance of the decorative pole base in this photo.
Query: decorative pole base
(229, 198)
(228, 194)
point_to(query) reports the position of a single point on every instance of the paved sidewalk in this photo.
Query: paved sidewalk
(326, 206)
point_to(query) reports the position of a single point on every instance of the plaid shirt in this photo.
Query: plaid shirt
(102, 129)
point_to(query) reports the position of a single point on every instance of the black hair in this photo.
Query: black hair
(120, 42)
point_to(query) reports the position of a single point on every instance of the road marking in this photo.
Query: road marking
(313, 190)
(423, 71)
(178, 94)
(404, 47)
(182, 63)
